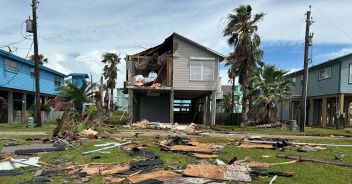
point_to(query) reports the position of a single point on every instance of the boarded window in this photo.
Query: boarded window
(10, 66)
(325, 73)
(202, 69)
(57, 81)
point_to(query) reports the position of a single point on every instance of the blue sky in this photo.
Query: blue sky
(74, 34)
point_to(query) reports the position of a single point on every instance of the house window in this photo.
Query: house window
(10, 66)
(350, 75)
(57, 81)
(293, 79)
(325, 73)
(32, 72)
(202, 69)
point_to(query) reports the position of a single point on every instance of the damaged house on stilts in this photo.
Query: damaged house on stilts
(175, 81)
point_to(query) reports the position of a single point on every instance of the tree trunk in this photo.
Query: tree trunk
(268, 113)
(112, 105)
(233, 95)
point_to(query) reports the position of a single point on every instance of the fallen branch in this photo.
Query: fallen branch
(323, 161)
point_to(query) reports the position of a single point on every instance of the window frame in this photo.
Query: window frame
(57, 80)
(7, 65)
(349, 73)
(329, 68)
(202, 68)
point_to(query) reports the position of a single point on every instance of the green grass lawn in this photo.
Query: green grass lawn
(276, 131)
(305, 172)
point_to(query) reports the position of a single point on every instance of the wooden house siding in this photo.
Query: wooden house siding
(345, 84)
(181, 67)
(316, 86)
(22, 79)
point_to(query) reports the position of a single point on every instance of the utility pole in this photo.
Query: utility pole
(36, 65)
(307, 44)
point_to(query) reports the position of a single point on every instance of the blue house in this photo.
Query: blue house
(329, 93)
(17, 86)
(78, 78)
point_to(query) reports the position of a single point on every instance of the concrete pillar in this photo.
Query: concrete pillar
(10, 107)
(324, 111)
(310, 112)
(24, 105)
(172, 94)
(205, 109)
(213, 108)
(45, 99)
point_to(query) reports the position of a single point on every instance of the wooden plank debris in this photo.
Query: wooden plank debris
(323, 161)
(160, 175)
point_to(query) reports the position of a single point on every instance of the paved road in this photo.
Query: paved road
(151, 132)
(14, 133)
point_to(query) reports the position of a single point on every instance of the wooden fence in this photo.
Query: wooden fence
(228, 118)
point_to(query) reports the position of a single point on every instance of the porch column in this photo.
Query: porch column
(10, 107)
(205, 108)
(311, 110)
(24, 105)
(290, 110)
(324, 111)
(341, 103)
(213, 108)
(172, 94)
(130, 105)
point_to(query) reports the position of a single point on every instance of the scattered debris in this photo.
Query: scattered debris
(31, 148)
(108, 146)
(255, 145)
(273, 179)
(219, 172)
(141, 124)
(17, 163)
(323, 161)
(263, 172)
(160, 175)
(205, 156)
(271, 125)
(307, 148)
(89, 133)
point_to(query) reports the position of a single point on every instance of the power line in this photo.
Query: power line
(24, 37)
(332, 22)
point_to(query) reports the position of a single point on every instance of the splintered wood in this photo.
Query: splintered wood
(219, 172)
(255, 145)
(160, 175)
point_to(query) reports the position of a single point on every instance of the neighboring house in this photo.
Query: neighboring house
(17, 85)
(175, 81)
(329, 93)
(78, 78)
(121, 99)
(227, 90)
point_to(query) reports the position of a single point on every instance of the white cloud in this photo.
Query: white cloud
(74, 34)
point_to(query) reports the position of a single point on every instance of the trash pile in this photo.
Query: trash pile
(190, 129)
(191, 148)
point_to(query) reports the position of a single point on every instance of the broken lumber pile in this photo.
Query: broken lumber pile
(192, 148)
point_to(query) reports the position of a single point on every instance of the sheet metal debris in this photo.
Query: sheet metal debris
(17, 163)
(107, 146)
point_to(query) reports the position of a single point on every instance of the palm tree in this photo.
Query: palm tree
(246, 57)
(42, 59)
(77, 95)
(227, 103)
(270, 88)
(110, 73)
